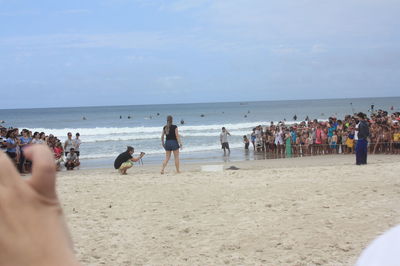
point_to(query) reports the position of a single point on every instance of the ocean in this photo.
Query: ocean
(107, 130)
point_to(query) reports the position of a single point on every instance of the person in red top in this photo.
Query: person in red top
(318, 139)
(58, 155)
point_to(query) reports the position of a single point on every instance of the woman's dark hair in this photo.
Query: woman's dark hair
(169, 124)
(9, 132)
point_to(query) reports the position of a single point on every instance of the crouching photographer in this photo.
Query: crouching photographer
(124, 161)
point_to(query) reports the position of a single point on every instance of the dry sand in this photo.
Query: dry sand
(301, 211)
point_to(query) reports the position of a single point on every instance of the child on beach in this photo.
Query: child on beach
(396, 141)
(350, 141)
(246, 142)
(58, 155)
(253, 138)
(334, 141)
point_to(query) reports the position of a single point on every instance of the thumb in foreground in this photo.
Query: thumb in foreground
(43, 178)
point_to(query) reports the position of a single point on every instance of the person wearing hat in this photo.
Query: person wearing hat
(124, 161)
(362, 139)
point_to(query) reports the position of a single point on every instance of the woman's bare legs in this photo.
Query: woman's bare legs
(167, 157)
(176, 158)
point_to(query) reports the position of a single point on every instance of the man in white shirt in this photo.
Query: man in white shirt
(224, 140)
(68, 144)
(72, 160)
(77, 143)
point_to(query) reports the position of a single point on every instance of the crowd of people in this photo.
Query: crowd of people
(13, 142)
(305, 138)
(313, 137)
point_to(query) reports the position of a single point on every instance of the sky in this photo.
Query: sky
(128, 52)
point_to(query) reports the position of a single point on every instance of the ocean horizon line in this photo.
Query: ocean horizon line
(191, 103)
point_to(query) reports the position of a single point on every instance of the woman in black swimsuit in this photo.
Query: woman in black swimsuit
(171, 144)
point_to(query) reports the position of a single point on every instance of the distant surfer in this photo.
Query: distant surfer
(129, 117)
(295, 117)
(182, 122)
(201, 115)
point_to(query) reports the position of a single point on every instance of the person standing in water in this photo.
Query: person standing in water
(223, 137)
(172, 143)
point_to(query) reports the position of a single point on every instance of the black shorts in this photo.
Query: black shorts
(171, 145)
(225, 145)
(396, 145)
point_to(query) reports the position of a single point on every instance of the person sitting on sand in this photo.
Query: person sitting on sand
(72, 160)
(124, 161)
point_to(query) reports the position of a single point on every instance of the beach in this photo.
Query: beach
(320, 210)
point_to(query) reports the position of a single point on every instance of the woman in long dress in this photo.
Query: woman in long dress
(172, 143)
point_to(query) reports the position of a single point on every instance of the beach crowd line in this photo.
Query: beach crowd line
(280, 140)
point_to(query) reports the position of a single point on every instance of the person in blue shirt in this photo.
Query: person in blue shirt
(12, 143)
(293, 135)
(24, 141)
